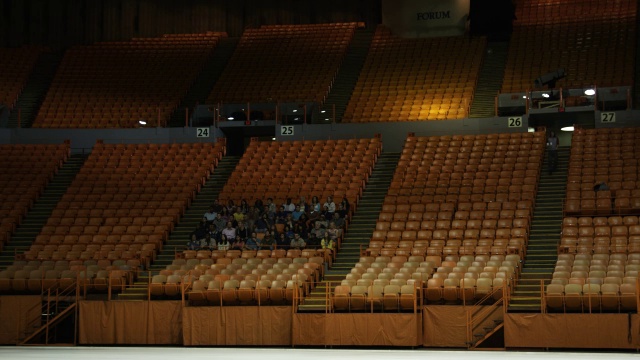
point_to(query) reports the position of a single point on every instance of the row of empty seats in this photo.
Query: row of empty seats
(126, 237)
(416, 79)
(17, 65)
(285, 63)
(41, 280)
(589, 39)
(117, 84)
(592, 297)
(321, 169)
(25, 171)
(456, 279)
(606, 156)
(411, 222)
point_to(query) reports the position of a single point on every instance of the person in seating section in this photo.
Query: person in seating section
(238, 216)
(297, 242)
(239, 244)
(219, 222)
(217, 207)
(329, 208)
(289, 206)
(337, 220)
(251, 218)
(344, 206)
(282, 242)
(244, 206)
(229, 232)
(210, 215)
(333, 231)
(242, 231)
(201, 230)
(271, 208)
(208, 243)
(231, 206)
(281, 215)
(301, 229)
(295, 215)
(214, 232)
(315, 206)
(253, 243)
(312, 241)
(327, 242)
(259, 205)
(303, 205)
(318, 230)
(262, 224)
(224, 244)
(552, 151)
(268, 242)
(193, 243)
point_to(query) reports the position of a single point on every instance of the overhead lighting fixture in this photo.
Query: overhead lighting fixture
(545, 95)
(273, 138)
(327, 119)
(296, 119)
(142, 122)
(230, 118)
(323, 111)
(295, 110)
(589, 92)
(531, 129)
(567, 128)
(524, 96)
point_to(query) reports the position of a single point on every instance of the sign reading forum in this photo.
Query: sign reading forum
(425, 18)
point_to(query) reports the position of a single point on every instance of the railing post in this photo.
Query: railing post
(46, 339)
(19, 117)
(186, 117)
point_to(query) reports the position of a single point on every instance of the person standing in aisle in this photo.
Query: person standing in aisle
(552, 149)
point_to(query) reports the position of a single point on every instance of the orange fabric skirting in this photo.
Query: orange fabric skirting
(445, 326)
(601, 331)
(130, 322)
(357, 329)
(17, 313)
(237, 325)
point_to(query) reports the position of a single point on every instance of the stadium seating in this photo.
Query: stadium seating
(594, 41)
(117, 84)
(461, 195)
(455, 219)
(400, 280)
(290, 169)
(416, 79)
(603, 156)
(254, 277)
(123, 203)
(286, 63)
(599, 251)
(16, 65)
(25, 170)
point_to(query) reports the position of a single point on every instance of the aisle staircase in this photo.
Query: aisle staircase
(35, 90)
(37, 216)
(347, 76)
(542, 251)
(489, 80)
(180, 234)
(359, 233)
(202, 86)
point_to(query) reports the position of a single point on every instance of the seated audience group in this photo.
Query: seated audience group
(268, 226)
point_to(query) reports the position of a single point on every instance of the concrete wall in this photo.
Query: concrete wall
(84, 139)
(394, 134)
